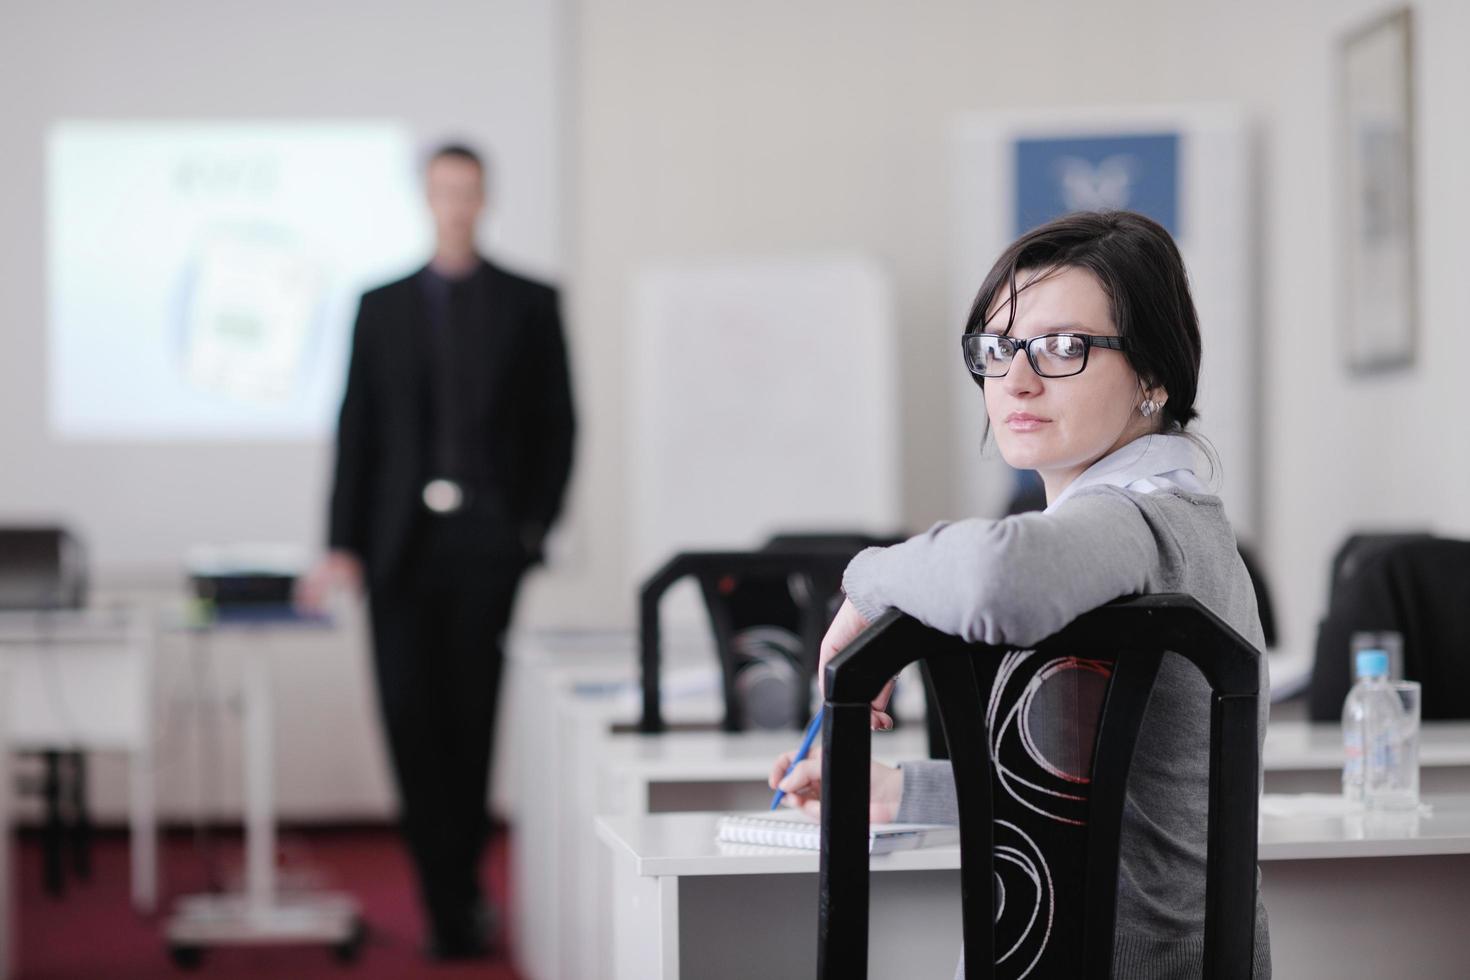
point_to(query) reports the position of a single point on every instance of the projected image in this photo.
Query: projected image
(251, 315)
(203, 277)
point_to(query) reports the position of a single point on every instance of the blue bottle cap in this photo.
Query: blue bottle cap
(1372, 663)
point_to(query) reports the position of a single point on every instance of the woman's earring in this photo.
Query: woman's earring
(1148, 408)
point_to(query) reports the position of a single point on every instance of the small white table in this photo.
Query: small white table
(261, 914)
(1347, 898)
(83, 680)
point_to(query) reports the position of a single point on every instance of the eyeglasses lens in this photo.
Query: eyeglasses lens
(1058, 356)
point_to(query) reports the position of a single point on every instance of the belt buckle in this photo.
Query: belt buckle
(443, 496)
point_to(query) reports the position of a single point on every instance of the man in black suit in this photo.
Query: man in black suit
(453, 450)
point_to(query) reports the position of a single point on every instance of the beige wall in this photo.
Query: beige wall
(708, 129)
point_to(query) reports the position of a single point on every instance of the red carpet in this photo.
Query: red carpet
(92, 932)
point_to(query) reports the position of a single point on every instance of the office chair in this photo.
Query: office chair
(43, 570)
(1124, 643)
(1415, 585)
(768, 610)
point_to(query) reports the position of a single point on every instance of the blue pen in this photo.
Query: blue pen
(806, 746)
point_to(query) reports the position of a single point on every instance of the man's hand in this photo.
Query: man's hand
(337, 570)
(846, 625)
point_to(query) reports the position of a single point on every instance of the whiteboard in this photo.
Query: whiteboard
(764, 398)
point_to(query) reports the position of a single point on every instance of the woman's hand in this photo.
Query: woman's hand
(804, 786)
(846, 625)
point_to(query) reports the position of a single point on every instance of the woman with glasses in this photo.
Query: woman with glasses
(1085, 344)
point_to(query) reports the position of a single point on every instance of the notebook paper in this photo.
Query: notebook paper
(789, 828)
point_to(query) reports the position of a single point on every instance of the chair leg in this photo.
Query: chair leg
(51, 843)
(81, 819)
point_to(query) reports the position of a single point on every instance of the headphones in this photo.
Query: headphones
(768, 675)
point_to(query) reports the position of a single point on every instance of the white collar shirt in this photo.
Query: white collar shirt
(1145, 465)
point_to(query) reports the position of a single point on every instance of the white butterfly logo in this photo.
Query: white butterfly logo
(1086, 187)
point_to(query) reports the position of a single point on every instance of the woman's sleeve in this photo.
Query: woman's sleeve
(928, 793)
(1016, 580)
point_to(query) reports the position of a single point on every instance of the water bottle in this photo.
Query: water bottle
(1391, 746)
(1370, 665)
(1380, 737)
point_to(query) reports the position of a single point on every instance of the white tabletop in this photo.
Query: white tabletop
(1440, 827)
(685, 844)
(70, 627)
(717, 755)
(1318, 745)
(711, 755)
(599, 669)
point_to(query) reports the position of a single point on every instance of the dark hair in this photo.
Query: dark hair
(1142, 273)
(459, 151)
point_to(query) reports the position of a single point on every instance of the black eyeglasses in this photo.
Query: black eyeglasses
(1052, 355)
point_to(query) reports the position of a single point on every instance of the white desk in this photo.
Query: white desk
(719, 771)
(685, 771)
(688, 771)
(1306, 757)
(572, 690)
(83, 680)
(567, 692)
(1346, 900)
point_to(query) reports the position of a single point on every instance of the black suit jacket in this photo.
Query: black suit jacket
(382, 454)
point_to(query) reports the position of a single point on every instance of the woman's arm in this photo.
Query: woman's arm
(1016, 580)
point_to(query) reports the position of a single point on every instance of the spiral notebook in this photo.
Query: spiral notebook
(789, 828)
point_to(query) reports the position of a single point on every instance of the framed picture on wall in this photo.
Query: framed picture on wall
(1377, 262)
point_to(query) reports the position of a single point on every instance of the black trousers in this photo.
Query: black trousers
(437, 634)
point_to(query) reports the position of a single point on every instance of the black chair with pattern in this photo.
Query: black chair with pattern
(1040, 824)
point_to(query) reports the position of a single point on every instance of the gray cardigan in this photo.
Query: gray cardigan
(1017, 580)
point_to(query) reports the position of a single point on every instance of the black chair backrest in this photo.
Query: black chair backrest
(971, 681)
(772, 605)
(1415, 585)
(1264, 608)
(41, 568)
(1362, 546)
